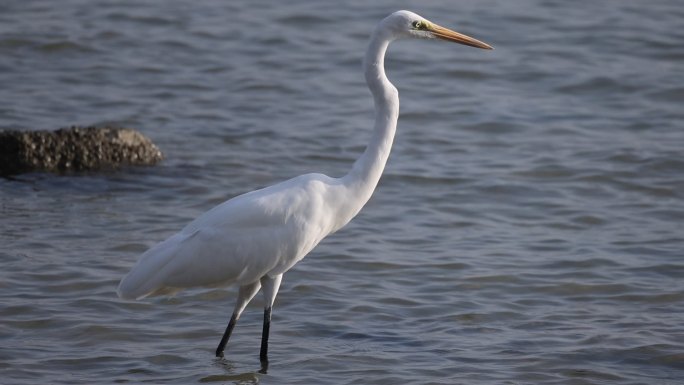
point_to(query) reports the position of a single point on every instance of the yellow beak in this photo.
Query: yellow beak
(449, 35)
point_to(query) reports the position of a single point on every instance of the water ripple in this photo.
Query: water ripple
(527, 228)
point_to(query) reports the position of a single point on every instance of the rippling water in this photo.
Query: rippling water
(528, 229)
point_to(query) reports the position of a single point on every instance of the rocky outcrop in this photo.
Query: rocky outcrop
(75, 149)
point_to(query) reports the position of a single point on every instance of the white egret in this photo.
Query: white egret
(253, 239)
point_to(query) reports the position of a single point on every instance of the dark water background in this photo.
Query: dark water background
(528, 229)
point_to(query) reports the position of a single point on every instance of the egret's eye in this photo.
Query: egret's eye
(420, 25)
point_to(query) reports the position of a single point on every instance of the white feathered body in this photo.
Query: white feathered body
(253, 239)
(263, 232)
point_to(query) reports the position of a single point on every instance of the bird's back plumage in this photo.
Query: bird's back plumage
(258, 233)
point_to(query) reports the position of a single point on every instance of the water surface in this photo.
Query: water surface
(528, 228)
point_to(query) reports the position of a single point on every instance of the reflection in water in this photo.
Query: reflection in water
(230, 369)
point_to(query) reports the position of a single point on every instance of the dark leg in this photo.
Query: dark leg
(245, 294)
(263, 355)
(226, 335)
(270, 285)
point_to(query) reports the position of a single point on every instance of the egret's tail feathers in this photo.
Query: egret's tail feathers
(148, 277)
(126, 290)
(130, 288)
(125, 293)
(175, 264)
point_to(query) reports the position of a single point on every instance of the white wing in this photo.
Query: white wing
(264, 232)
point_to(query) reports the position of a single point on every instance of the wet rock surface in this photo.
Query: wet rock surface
(75, 149)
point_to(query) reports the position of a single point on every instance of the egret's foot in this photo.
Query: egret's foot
(264, 367)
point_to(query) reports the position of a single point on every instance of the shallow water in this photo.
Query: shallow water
(528, 228)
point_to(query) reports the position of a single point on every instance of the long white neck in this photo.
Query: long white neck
(366, 171)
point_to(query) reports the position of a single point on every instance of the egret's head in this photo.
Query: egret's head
(409, 24)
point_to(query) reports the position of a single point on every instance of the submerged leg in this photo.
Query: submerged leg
(270, 285)
(245, 294)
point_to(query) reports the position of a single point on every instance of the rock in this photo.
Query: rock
(75, 149)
